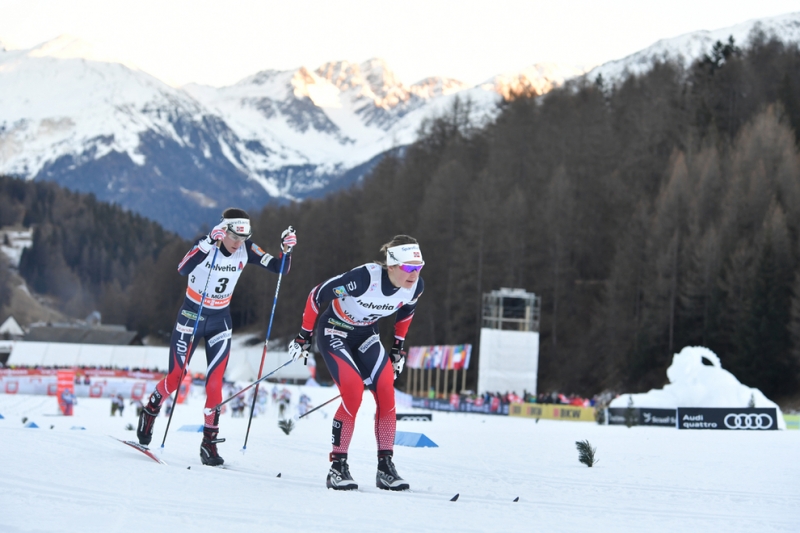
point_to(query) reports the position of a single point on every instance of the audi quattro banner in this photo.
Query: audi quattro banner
(754, 418)
(643, 416)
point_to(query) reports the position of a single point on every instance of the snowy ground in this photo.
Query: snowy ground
(648, 479)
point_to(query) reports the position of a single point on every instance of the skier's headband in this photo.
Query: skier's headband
(404, 253)
(238, 226)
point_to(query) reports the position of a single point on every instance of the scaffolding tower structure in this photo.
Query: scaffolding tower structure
(512, 309)
(509, 346)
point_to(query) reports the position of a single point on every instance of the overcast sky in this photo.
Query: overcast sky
(219, 42)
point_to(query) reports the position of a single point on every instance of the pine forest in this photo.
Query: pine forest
(652, 213)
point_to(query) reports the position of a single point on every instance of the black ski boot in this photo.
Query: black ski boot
(147, 419)
(339, 474)
(387, 477)
(208, 449)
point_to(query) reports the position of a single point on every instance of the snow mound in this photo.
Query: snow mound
(697, 379)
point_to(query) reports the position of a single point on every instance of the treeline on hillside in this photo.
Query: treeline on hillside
(94, 256)
(652, 215)
(5, 285)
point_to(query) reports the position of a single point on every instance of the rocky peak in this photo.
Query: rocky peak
(343, 74)
(435, 86)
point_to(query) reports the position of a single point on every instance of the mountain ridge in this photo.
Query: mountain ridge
(172, 154)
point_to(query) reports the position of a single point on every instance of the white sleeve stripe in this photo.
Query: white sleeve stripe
(188, 256)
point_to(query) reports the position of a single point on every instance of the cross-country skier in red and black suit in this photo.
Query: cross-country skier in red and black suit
(236, 250)
(347, 336)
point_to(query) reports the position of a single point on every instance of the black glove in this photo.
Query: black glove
(398, 357)
(300, 345)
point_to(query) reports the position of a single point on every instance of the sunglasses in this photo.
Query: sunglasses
(408, 269)
(236, 237)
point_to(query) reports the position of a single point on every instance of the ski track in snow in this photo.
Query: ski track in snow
(647, 478)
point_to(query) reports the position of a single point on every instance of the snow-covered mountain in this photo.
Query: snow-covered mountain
(106, 128)
(72, 114)
(331, 118)
(691, 46)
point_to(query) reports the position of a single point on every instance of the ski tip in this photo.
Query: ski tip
(279, 474)
(516, 499)
(142, 448)
(454, 498)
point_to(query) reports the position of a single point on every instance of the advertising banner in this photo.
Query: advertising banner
(643, 416)
(414, 417)
(478, 406)
(97, 388)
(750, 418)
(65, 391)
(552, 411)
(81, 373)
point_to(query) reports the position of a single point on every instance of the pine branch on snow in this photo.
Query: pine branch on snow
(586, 453)
(286, 425)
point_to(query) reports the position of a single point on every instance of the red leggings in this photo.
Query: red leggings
(216, 330)
(351, 386)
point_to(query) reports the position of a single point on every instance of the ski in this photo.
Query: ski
(237, 468)
(455, 498)
(144, 449)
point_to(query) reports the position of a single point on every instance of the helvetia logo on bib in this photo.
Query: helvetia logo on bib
(377, 307)
(223, 268)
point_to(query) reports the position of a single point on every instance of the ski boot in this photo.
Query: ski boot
(147, 419)
(339, 475)
(387, 477)
(208, 449)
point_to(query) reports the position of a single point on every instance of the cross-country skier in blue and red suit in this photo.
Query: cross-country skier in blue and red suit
(236, 250)
(347, 337)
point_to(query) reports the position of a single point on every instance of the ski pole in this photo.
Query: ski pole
(253, 384)
(318, 407)
(264, 352)
(190, 347)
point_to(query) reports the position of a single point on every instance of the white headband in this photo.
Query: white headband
(404, 253)
(239, 226)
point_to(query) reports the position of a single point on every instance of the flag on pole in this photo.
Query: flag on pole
(445, 357)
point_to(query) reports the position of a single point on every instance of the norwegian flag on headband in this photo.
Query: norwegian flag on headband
(240, 226)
